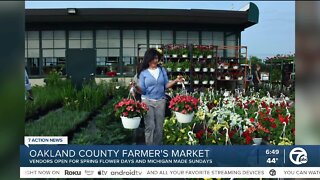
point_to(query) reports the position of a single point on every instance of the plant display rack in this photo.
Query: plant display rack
(282, 69)
(197, 63)
(232, 69)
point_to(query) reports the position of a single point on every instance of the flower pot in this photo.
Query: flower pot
(166, 56)
(179, 83)
(257, 141)
(174, 55)
(178, 69)
(204, 82)
(194, 56)
(184, 55)
(197, 69)
(196, 81)
(212, 69)
(184, 118)
(225, 67)
(235, 67)
(219, 77)
(204, 69)
(186, 82)
(227, 77)
(200, 56)
(169, 69)
(240, 78)
(187, 70)
(211, 82)
(130, 123)
(209, 56)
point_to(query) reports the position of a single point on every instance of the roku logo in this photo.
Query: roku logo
(66, 172)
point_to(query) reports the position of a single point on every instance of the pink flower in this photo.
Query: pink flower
(125, 114)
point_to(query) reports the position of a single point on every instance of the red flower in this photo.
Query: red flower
(200, 134)
(264, 104)
(282, 119)
(271, 105)
(273, 125)
(248, 139)
(271, 120)
(252, 120)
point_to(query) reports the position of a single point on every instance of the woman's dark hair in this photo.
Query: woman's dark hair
(150, 55)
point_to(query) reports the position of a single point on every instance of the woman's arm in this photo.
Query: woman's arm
(171, 83)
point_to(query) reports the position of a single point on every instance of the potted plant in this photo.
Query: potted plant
(169, 66)
(179, 67)
(173, 51)
(211, 81)
(212, 67)
(130, 112)
(187, 79)
(186, 65)
(207, 51)
(196, 80)
(240, 76)
(235, 66)
(184, 52)
(184, 107)
(205, 80)
(225, 65)
(205, 69)
(197, 52)
(227, 76)
(275, 75)
(197, 67)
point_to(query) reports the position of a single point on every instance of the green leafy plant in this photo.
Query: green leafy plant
(170, 64)
(275, 75)
(56, 123)
(183, 51)
(185, 65)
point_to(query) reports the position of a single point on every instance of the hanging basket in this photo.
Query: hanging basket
(130, 123)
(174, 55)
(184, 55)
(184, 118)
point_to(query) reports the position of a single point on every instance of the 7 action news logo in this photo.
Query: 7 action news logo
(298, 156)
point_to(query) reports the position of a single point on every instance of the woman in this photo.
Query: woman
(256, 78)
(153, 80)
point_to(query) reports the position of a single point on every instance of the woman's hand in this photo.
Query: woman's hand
(179, 78)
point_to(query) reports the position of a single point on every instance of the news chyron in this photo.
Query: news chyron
(141, 161)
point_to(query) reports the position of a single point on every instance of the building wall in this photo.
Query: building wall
(117, 49)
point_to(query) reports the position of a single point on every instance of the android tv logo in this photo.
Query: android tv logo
(298, 156)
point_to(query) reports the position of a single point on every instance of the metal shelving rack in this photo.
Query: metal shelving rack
(240, 54)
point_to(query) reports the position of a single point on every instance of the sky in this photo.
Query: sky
(274, 34)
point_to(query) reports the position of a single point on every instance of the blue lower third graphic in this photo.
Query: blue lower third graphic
(169, 156)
